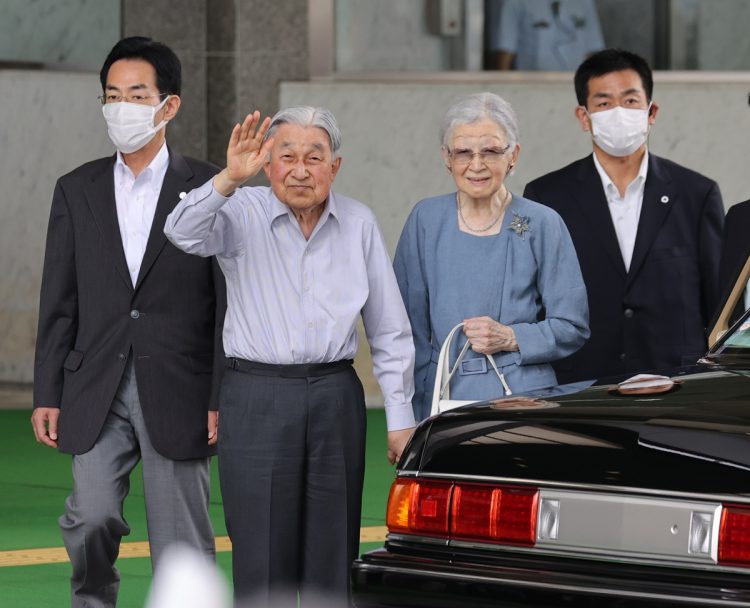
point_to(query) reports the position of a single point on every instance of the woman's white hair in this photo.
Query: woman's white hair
(308, 116)
(476, 107)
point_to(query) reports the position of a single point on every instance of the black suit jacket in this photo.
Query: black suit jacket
(734, 252)
(91, 316)
(652, 317)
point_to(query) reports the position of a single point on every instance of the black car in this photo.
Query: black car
(631, 494)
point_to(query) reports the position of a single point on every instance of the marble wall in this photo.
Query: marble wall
(69, 34)
(49, 124)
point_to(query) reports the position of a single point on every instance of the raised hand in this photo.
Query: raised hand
(246, 153)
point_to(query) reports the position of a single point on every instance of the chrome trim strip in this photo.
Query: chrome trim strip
(408, 473)
(550, 586)
(594, 488)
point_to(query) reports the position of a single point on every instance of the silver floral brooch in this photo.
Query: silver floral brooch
(520, 225)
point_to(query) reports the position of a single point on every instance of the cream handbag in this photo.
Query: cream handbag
(441, 398)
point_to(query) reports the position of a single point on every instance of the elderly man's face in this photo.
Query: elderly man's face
(301, 168)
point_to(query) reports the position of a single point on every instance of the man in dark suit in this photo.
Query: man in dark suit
(647, 231)
(129, 330)
(734, 253)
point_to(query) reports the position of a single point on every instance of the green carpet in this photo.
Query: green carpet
(35, 480)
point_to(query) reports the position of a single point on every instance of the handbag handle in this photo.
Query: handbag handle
(442, 386)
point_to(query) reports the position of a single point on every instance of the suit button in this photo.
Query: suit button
(629, 313)
(623, 356)
(121, 357)
(134, 314)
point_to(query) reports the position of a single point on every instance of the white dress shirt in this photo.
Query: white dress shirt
(136, 199)
(625, 210)
(292, 300)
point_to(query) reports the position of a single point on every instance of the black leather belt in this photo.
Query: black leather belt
(293, 370)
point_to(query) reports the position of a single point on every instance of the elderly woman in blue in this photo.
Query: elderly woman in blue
(502, 264)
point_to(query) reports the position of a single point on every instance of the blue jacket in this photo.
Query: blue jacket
(526, 277)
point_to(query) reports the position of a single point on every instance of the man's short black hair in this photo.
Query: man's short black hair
(163, 59)
(607, 61)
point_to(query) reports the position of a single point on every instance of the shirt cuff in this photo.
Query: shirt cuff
(399, 417)
(531, 351)
(207, 197)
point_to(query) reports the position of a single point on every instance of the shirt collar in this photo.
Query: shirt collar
(155, 169)
(607, 181)
(279, 209)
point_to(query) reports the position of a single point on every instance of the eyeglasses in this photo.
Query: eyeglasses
(142, 99)
(489, 156)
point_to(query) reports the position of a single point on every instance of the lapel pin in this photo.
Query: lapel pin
(184, 194)
(664, 199)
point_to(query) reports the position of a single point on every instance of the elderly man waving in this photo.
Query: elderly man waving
(302, 263)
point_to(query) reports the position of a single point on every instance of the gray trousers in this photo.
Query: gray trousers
(176, 494)
(291, 464)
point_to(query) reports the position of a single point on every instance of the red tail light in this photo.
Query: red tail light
(503, 514)
(419, 507)
(399, 505)
(516, 518)
(473, 510)
(429, 508)
(734, 536)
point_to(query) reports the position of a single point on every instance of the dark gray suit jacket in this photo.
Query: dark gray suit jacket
(91, 316)
(653, 316)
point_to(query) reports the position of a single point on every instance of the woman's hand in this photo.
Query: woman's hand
(488, 337)
(246, 153)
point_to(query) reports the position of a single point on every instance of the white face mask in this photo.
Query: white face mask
(620, 131)
(131, 125)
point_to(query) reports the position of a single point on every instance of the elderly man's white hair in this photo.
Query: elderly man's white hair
(308, 116)
(476, 107)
